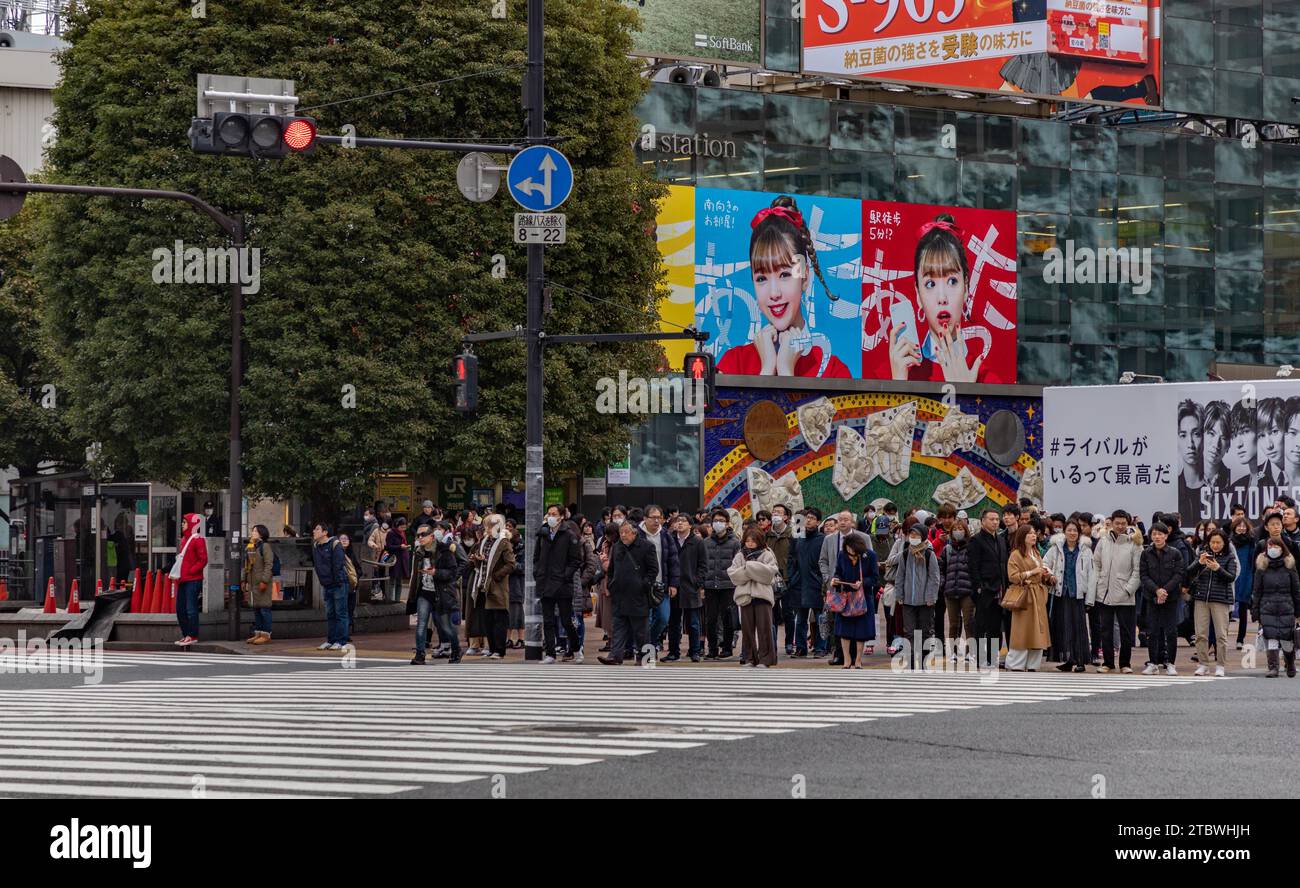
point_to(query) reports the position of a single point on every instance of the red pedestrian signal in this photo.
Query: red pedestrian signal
(464, 369)
(697, 371)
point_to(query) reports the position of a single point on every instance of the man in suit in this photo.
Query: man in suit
(987, 558)
(832, 545)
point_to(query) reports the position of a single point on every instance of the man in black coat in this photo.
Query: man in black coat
(693, 564)
(987, 557)
(632, 569)
(1163, 576)
(557, 556)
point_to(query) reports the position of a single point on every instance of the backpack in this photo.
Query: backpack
(348, 566)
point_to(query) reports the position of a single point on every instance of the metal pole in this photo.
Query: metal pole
(534, 487)
(235, 561)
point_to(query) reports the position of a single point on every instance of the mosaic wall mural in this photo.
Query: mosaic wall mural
(763, 446)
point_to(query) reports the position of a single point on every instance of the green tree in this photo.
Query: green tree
(372, 264)
(32, 408)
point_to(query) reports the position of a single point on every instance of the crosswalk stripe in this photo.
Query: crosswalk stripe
(327, 731)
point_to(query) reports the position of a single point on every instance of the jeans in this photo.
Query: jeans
(556, 611)
(1109, 615)
(628, 634)
(805, 621)
(262, 620)
(423, 610)
(187, 607)
(352, 611)
(690, 619)
(659, 619)
(336, 613)
(447, 633)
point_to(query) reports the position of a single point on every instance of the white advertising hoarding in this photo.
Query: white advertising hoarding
(1193, 448)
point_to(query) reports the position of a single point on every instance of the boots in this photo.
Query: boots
(1290, 663)
(1272, 665)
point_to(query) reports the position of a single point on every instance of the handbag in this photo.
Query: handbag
(887, 596)
(656, 594)
(1016, 598)
(175, 572)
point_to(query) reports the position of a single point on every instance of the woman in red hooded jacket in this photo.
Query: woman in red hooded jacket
(191, 559)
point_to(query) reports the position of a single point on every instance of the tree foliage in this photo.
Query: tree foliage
(372, 264)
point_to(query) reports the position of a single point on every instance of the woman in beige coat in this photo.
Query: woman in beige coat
(258, 561)
(1030, 634)
(753, 571)
(492, 562)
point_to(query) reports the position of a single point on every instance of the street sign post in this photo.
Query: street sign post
(478, 177)
(540, 228)
(540, 178)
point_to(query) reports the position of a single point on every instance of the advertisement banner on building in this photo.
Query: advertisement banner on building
(828, 287)
(700, 30)
(1103, 51)
(1193, 448)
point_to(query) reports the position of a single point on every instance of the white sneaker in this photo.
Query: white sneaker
(323, 646)
(577, 656)
(1103, 669)
(761, 666)
(952, 658)
(970, 658)
(1219, 672)
(546, 661)
(336, 646)
(472, 652)
(1126, 670)
(1151, 669)
(1201, 670)
(1170, 670)
(494, 656)
(485, 653)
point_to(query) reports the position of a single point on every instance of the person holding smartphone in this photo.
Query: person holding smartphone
(856, 578)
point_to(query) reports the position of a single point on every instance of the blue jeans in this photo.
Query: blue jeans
(423, 610)
(336, 613)
(803, 625)
(659, 619)
(187, 607)
(262, 620)
(690, 621)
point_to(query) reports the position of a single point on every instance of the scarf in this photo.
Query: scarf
(483, 573)
(918, 551)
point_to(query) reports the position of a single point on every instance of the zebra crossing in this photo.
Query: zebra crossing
(78, 660)
(380, 731)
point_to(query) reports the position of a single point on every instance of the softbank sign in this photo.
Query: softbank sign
(1109, 265)
(698, 145)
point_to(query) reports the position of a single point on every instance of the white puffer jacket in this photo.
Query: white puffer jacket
(1054, 561)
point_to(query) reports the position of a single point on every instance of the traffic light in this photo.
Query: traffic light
(253, 135)
(697, 371)
(464, 370)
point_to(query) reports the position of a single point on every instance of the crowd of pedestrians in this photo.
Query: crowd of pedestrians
(1008, 588)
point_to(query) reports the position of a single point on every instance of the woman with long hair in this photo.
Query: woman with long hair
(1029, 579)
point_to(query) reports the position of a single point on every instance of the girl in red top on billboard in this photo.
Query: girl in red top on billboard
(783, 261)
(942, 276)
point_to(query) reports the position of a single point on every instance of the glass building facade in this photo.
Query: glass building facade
(1220, 216)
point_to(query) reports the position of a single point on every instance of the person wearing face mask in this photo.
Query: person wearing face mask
(652, 528)
(432, 592)
(753, 570)
(492, 563)
(720, 550)
(633, 568)
(257, 582)
(779, 535)
(1069, 561)
(557, 557)
(1276, 599)
(916, 588)
(1116, 576)
(957, 586)
(1243, 545)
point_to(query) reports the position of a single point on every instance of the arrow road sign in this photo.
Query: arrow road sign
(540, 178)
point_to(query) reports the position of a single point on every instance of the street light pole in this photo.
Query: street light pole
(533, 483)
(235, 559)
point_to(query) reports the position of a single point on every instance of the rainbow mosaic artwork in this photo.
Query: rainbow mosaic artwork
(727, 459)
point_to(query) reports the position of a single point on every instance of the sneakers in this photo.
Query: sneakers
(184, 640)
(336, 647)
(578, 657)
(494, 657)
(472, 652)
(605, 661)
(1219, 672)
(761, 666)
(1170, 670)
(1126, 670)
(417, 660)
(546, 661)
(695, 658)
(1202, 670)
(568, 657)
(1151, 669)
(1103, 669)
(264, 638)
(323, 646)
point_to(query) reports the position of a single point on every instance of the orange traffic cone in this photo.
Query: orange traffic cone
(74, 599)
(171, 595)
(4, 590)
(136, 593)
(151, 600)
(99, 588)
(50, 606)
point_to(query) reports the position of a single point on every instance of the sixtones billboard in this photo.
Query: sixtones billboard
(1105, 51)
(833, 287)
(706, 30)
(1194, 448)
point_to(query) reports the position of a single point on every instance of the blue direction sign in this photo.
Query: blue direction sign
(540, 178)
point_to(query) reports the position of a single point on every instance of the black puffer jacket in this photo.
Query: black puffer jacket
(719, 552)
(1214, 586)
(446, 569)
(954, 571)
(1277, 596)
(1162, 569)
